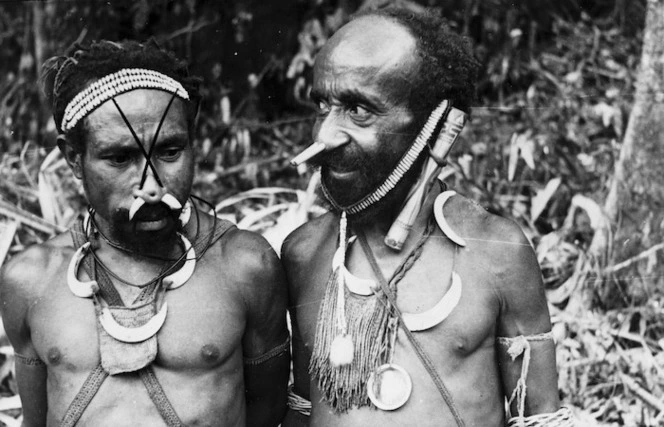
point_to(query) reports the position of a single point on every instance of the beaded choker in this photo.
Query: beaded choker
(114, 84)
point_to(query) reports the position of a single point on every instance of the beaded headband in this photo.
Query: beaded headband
(399, 171)
(114, 84)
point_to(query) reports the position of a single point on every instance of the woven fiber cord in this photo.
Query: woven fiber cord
(447, 397)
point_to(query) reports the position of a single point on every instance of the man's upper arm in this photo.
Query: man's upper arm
(18, 290)
(524, 324)
(265, 344)
(265, 299)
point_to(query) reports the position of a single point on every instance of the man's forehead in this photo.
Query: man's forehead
(144, 109)
(371, 42)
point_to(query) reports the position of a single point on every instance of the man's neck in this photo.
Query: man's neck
(139, 247)
(377, 227)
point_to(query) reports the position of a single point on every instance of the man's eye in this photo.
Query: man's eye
(171, 153)
(119, 159)
(359, 113)
(323, 108)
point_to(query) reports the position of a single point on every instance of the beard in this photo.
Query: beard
(127, 234)
(372, 173)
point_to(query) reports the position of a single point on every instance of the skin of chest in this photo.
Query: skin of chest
(199, 348)
(461, 347)
(63, 325)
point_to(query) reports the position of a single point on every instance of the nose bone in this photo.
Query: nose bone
(326, 140)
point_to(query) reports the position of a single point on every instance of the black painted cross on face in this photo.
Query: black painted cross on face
(114, 166)
(362, 85)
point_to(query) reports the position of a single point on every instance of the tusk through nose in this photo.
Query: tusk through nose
(171, 201)
(314, 150)
(135, 206)
(167, 198)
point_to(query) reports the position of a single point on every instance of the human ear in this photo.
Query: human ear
(71, 155)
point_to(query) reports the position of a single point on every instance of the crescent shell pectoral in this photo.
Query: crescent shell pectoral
(133, 335)
(439, 312)
(354, 284)
(77, 287)
(440, 218)
(180, 277)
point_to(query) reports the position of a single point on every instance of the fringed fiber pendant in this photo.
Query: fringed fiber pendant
(368, 326)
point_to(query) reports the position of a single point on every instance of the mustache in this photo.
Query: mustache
(347, 157)
(147, 212)
(167, 199)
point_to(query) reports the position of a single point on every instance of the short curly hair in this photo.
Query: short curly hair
(63, 77)
(449, 70)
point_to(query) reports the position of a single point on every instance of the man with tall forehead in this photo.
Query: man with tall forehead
(149, 311)
(432, 319)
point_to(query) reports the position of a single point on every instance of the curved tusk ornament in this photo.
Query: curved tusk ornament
(185, 214)
(135, 206)
(168, 199)
(438, 206)
(422, 321)
(132, 335)
(180, 277)
(356, 285)
(77, 287)
(171, 201)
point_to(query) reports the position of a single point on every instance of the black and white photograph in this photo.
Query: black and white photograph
(334, 213)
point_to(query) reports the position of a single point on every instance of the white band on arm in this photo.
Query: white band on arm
(561, 418)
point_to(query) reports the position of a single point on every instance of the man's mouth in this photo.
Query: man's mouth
(152, 217)
(151, 225)
(340, 173)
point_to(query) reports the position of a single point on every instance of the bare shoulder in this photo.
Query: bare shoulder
(25, 275)
(471, 220)
(481, 229)
(256, 266)
(25, 279)
(496, 242)
(300, 245)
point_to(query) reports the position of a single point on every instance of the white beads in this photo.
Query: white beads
(404, 164)
(114, 84)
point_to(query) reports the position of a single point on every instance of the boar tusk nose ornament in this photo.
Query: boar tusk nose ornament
(77, 287)
(168, 199)
(314, 150)
(133, 335)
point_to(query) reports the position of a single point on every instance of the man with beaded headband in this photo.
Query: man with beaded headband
(462, 324)
(149, 311)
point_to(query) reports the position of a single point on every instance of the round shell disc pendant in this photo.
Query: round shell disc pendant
(389, 387)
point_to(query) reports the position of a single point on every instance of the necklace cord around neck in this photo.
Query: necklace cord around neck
(391, 300)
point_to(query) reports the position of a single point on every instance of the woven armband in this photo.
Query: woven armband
(280, 350)
(298, 403)
(28, 361)
(516, 346)
(561, 418)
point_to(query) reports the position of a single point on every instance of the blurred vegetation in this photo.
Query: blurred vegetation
(547, 127)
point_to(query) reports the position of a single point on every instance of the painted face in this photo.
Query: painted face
(362, 85)
(112, 168)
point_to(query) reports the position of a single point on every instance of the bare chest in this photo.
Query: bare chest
(422, 290)
(203, 327)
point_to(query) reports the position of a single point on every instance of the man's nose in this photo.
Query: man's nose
(151, 191)
(331, 132)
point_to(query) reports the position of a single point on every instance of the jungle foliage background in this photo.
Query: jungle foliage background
(557, 89)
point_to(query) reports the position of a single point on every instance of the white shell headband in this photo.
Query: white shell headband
(114, 84)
